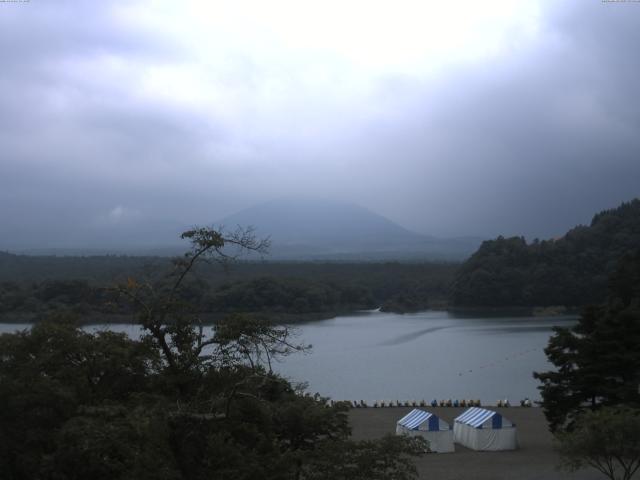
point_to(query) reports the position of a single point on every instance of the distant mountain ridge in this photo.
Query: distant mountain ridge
(312, 228)
(310, 220)
(572, 270)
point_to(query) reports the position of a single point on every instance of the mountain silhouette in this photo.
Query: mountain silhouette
(314, 228)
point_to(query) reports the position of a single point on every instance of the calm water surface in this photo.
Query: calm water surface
(385, 356)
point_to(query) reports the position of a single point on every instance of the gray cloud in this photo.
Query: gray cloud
(100, 113)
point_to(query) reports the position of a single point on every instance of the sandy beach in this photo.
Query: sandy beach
(534, 460)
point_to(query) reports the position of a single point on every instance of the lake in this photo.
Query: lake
(434, 354)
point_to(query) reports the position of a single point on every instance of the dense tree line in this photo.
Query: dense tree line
(37, 300)
(272, 288)
(269, 294)
(570, 271)
(98, 268)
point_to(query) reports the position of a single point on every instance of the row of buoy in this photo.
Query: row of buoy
(495, 363)
(422, 403)
(409, 403)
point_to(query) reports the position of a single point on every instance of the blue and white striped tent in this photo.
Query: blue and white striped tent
(482, 429)
(428, 426)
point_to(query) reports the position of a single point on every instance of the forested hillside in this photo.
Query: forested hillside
(570, 271)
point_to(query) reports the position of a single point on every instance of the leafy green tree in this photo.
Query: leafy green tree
(368, 460)
(607, 440)
(114, 441)
(52, 372)
(597, 360)
(173, 326)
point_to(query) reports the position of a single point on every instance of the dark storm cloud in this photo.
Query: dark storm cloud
(75, 145)
(532, 140)
(532, 145)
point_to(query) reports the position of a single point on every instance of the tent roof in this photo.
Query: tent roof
(415, 418)
(476, 417)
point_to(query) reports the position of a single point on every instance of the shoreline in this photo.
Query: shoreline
(284, 318)
(549, 311)
(423, 404)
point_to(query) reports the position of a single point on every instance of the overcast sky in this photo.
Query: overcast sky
(119, 118)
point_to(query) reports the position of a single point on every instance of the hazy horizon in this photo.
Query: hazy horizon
(124, 119)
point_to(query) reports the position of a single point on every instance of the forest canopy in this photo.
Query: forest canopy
(570, 271)
(45, 285)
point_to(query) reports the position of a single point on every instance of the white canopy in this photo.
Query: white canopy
(428, 426)
(481, 429)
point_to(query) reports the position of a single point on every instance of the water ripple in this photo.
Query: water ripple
(407, 337)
